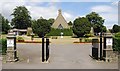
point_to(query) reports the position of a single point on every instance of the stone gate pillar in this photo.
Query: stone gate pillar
(108, 50)
(11, 48)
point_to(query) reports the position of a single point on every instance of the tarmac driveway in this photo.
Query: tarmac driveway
(62, 56)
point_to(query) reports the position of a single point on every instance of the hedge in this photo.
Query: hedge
(56, 32)
(3, 45)
(116, 42)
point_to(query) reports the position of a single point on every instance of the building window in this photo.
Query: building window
(60, 27)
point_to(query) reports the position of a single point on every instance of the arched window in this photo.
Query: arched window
(60, 27)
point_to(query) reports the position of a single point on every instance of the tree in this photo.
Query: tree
(41, 27)
(96, 21)
(5, 25)
(51, 21)
(70, 23)
(116, 28)
(104, 29)
(22, 19)
(111, 31)
(81, 26)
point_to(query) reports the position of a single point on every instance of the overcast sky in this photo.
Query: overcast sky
(78, 8)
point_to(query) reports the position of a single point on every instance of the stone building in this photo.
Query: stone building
(60, 22)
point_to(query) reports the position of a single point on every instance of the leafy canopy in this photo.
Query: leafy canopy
(116, 28)
(22, 18)
(5, 25)
(41, 27)
(81, 26)
(96, 22)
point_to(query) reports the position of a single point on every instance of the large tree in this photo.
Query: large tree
(116, 28)
(96, 21)
(5, 24)
(41, 27)
(81, 26)
(22, 19)
(51, 21)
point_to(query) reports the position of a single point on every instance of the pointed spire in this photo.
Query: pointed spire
(59, 11)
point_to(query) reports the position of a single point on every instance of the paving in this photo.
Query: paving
(62, 56)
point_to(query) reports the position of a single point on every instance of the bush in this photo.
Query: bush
(89, 35)
(117, 34)
(116, 42)
(85, 40)
(88, 40)
(81, 26)
(3, 45)
(56, 32)
(41, 27)
(20, 39)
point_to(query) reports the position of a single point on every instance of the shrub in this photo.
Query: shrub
(116, 42)
(3, 45)
(41, 27)
(85, 40)
(89, 35)
(81, 26)
(117, 34)
(88, 40)
(20, 39)
(56, 32)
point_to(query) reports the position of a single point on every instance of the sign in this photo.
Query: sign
(10, 42)
(109, 41)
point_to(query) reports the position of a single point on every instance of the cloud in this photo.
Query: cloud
(8, 7)
(36, 9)
(45, 12)
(102, 9)
(68, 16)
(108, 12)
(115, 3)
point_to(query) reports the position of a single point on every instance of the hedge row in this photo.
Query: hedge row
(3, 45)
(116, 42)
(57, 32)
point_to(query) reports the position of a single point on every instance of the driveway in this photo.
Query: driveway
(62, 56)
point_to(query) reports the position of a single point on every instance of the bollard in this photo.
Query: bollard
(101, 46)
(47, 49)
(42, 49)
(95, 47)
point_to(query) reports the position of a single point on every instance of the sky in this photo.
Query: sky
(70, 9)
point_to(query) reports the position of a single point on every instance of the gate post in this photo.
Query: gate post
(108, 50)
(95, 48)
(43, 49)
(101, 46)
(11, 48)
(47, 49)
